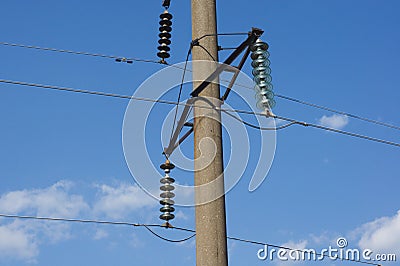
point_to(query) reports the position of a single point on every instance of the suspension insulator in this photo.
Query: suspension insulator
(166, 195)
(262, 75)
(165, 35)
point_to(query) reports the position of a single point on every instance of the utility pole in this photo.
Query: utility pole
(211, 243)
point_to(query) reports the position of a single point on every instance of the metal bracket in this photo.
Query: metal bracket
(182, 121)
(253, 36)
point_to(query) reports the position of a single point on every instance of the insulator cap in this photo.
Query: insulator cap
(167, 195)
(262, 75)
(167, 208)
(165, 28)
(164, 41)
(163, 48)
(165, 35)
(167, 187)
(259, 45)
(167, 165)
(166, 15)
(167, 216)
(165, 22)
(167, 202)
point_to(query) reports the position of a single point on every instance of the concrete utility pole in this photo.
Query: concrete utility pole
(211, 244)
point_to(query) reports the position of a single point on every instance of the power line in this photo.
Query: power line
(180, 91)
(206, 107)
(365, 119)
(147, 226)
(167, 239)
(338, 112)
(113, 95)
(337, 131)
(240, 85)
(79, 53)
(258, 127)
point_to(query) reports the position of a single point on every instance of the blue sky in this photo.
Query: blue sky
(62, 153)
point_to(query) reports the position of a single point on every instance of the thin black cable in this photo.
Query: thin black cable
(337, 131)
(180, 91)
(30, 217)
(205, 107)
(221, 34)
(338, 112)
(226, 48)
(98, 222)
(208, 52)
(85, 91)
(78, 53)
(385, 124)
(241, 85)
(121, 96)
(167, 239)
(147, 226)
(258, 127)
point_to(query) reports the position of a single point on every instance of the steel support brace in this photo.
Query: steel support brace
(253, 36)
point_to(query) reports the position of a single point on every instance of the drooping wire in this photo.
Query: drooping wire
(180, 91)
(79, 53)
(208, 52)
(205, 107)
(167, 239)
(258, 127)
(147, 226)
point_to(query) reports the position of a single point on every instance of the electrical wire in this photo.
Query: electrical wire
(321, 107)
(310, 104)
(147, 226)
(240, 85)
(180, 91)
(78, 53)
(205, 107)
(338, 112)
(167, 239)
(258, 127)
(221, 34)
(337, 131)
(208, 52)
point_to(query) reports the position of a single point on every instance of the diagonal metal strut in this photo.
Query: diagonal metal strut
(253, 35)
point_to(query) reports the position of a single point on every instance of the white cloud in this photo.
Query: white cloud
(100, 234)
(181, 215)
(381, 235)
(52, 201)
(334, 121)
(117, 202)
(21, 239)
(17, 243)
